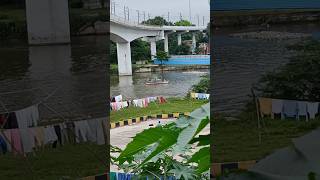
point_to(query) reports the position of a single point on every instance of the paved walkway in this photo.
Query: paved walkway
(120, 137)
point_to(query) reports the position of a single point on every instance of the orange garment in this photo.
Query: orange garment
(265, 106)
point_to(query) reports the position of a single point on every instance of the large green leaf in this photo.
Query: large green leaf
(202, 158)
(163, 136)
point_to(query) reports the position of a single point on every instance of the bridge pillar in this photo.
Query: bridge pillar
(47, 21)
(166, 43)
(194, 43)
(124, 59)
(153, 47)
(179, 39)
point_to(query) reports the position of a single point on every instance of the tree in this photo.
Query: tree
(162, 56)
(182, 50)
(298, 79)
(153, 152)
(140, 50)
(157, 21)
(183, 23)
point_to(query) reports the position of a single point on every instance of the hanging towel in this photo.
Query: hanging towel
(290, 108)
(28, 117)
(302, 109)
(118, 98)
(50, 135)
(97, 131)
(312, 108)
(123, 176)
(113, 176)
(57, 130)
(82, 131)
(135, 102)
(196, 95)
(277, 107)
(265, 106)
(11, 122)
(16, 141)
(7, 135)
(3, 144)
(207, 96)
(38, 133)
(193, 95)
(64, 133)
(27, 139)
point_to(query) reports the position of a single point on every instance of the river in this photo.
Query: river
(59, 77)
(244, 61)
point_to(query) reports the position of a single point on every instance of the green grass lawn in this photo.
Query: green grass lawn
(69, 161)
(239, 140)
(172, 105)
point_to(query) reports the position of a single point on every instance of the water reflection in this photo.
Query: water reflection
(179, 84)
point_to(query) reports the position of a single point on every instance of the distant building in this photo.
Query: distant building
(204, 48)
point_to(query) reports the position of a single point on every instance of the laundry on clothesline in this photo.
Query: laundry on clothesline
(26, 140)
(288, 108)
(199, 95)
(24, 118)
(128, 176)
(142, 103)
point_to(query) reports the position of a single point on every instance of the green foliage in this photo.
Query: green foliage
(202, 86)
(162, 56)
(182, 50)
(298, 79)
(140, 50)
(153, 152)
(157, 21)
(183, 23)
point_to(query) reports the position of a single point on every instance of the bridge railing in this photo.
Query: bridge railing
(189, 56)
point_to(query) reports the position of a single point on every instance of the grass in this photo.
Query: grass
(239, 140)
(173, 105)
(66, 162)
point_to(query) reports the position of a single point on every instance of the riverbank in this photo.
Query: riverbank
(173, 105)
(157, 68)
(66, 162)
(263, 17)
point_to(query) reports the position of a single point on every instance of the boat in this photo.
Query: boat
(156, 81)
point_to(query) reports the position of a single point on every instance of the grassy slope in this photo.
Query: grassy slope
(73, 161)
(172, 105)
(239, 140)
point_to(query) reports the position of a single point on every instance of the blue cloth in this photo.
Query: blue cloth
(290, 108)
(123, 176)
(3, 145)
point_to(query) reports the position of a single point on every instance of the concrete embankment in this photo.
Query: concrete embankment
(263, 17)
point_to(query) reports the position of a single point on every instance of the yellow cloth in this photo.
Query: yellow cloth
(193, 95)
(265, 106)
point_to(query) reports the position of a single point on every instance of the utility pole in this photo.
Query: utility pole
(190, 10)
(168, 16)
(198, 20)
(138, 16)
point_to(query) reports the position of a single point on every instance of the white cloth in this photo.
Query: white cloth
(302, 108)
(27, 139)
(49, 135)
(207, 96)
(97, 131)
(312, 108)
(118, 98)
(28, 117)
(82, 131)
(277, 107)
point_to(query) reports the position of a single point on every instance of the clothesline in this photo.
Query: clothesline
(118, 103)
(25, 140)
(199, 95)
(288, 108)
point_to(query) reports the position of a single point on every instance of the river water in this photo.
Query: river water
(244, 61)
(134, 86)
(68, 81)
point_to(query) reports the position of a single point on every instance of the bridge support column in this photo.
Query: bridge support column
(47, 21)
(194, 43)
(124, 59)
(166, 43)
(153, 47)
(179, 39)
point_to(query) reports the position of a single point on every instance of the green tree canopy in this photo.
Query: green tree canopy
(183, 23)
(157, 21)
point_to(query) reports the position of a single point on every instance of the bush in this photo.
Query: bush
(202, 86)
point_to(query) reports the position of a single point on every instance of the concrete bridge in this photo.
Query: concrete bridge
(123, 32)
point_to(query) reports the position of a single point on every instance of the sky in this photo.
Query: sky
(162, 7)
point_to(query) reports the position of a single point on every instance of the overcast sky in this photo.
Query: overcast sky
(162, 7)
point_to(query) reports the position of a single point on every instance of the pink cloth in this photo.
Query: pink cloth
(16, 141)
